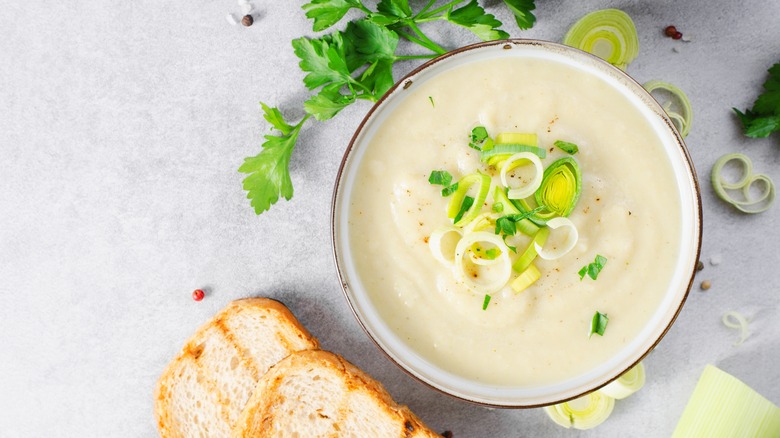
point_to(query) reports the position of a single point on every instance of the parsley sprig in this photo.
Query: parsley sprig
(354, 64)
(764, 118)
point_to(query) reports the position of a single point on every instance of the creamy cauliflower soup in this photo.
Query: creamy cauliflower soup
(628, 213)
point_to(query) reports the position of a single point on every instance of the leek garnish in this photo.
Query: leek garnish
(630, 382)
(456, 211)
(683, 119)
(528, 256)
(593, 269)
(569, 148)
(561, 186)
(722, 406)
(501, 152)
(518, 160)
(499, 278)
(436, 244)
(609, 34)
(507, 225)
(583, 413)
(499, 196)
(567, 245)
(498, 207)
(736, 320)
(747, 202)
(486, 302)
(598, 324)
(468, 201)
(526, 278)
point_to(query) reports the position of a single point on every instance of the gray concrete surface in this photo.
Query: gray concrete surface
(122, 125)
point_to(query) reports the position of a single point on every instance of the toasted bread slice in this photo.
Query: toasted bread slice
(316, 393)
(204, 389)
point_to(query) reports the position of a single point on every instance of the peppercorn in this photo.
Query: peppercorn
(247, 20)
(670, 31)
(706, 284)
(699, 266)
(677, 36)
(198, 294)
(447, 434)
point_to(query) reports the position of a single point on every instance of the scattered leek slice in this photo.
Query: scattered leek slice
(566, 246)
(630, 382)
(436, 243)
(518, 160)
(582, 413)
(609, 34)
(738, 321)
(505, 263)
(561, 187)
(528, 256)
(459, 196)
(748, 203)
(517, 137)
(721, 406)
(524, 226)
(682, 120)
(501, 152)
(526, 278)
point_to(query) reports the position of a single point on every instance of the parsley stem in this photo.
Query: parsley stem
(442, 8)
(431, 45)
(424, 9)
(434, 48)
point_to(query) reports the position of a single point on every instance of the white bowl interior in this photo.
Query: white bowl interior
(660, 321)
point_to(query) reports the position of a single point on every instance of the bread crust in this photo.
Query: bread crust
(260, 414)
(192, 353)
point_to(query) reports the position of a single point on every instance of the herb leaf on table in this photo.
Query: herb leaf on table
(764, 118)
(357, 64)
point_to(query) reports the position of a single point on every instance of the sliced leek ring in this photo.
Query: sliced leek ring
(682, 121)
(460, 194)
(518, 160)
(436, 245)
(561, 187)
(499, 278)
(568, 244)
(582, 413)
(609, 34)
(630, 382)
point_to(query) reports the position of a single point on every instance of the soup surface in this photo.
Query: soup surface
(628, 211)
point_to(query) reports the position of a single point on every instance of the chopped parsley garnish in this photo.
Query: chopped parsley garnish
(764, 117)
(440, 178)
(593, 269)
(480, 138)
(468, 201)
(569, 148)
(598, 324)
(507, 225)
(447, 191)
(432, 103)
(492, 253)
(498, 207)
(486, 302)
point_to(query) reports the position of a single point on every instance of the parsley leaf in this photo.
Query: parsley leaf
(328, 103)
(764, 118)
(593, 269)
(468, 201)
(447, 191)
(569, 148)
(486, 302)
(598, 324)
(326, 13)
(268, 172)
(475, 19)
(522, 9)
(324, 60)
(395, 8)
(440, 177)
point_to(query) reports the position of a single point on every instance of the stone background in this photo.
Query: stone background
(122, 125)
